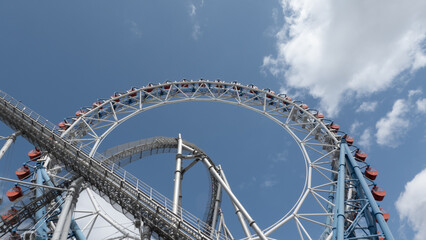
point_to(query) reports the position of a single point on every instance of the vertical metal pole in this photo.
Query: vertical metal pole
(339, 213)
(67, 209)
(74, 226)
(180, 197)
(234, 199)
(67, 225)
(9, 142)
(376, 211)
(237, 210)
(178, 177)
(41, 227)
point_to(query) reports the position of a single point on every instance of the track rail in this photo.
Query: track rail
(119, 187)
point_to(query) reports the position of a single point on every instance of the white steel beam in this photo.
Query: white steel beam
(178, 177)
(67, 209)
(8, 143)
(234, 199)
(237, 210)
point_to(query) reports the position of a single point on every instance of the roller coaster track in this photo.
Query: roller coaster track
(112, 184)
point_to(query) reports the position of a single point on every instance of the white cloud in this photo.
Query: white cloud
(421, 105)
(274, 28)
(394, 125)
(135, 29)
(359, 47)
(355, 126)
(192, 10)
(405, 113)
(419, 61)
(365, 139)
(281, 157)
(367, 107)
(411, 204)
(269, 183)
(247, 183)
(275, 14)
(196, 30)
(414, 92)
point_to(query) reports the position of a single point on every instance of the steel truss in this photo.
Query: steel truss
(325, 183)
(361, 210)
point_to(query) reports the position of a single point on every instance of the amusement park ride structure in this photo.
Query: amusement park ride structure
(338, 199)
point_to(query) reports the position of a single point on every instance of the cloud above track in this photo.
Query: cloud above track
(367, 107)
(355, 126)
(135, 29)
(421, 105)
(196, 30)
(365, 139)
(396, 123)
(339, 50)
(393, 126)
(411, 204)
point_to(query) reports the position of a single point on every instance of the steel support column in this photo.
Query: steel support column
(41, 227)
(373, 204)
(74, 226)
(178, 177)
(67, 209)
(8, 143)
(339, 211)
(67, 225)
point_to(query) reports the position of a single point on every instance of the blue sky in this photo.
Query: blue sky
(360, 62)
